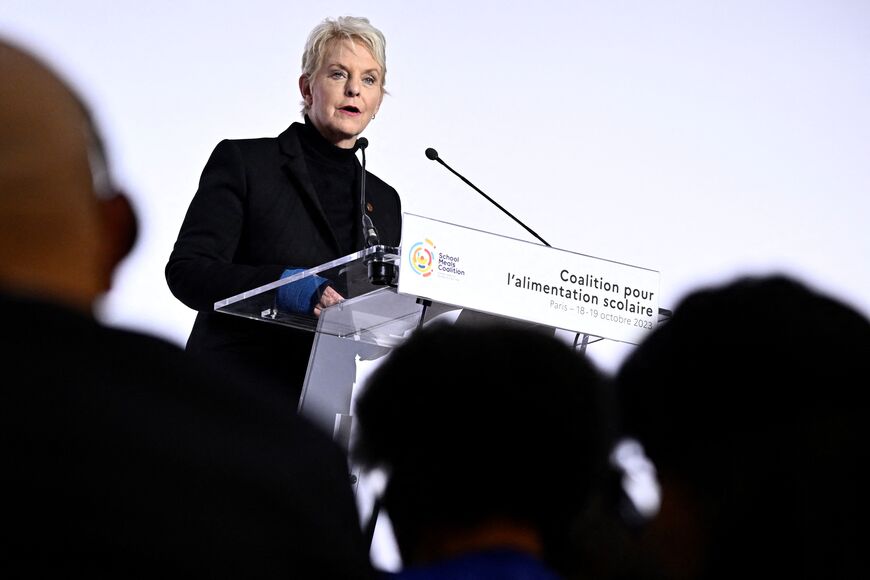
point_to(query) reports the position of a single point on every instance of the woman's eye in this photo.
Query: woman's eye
(337, 74)
(370, 80)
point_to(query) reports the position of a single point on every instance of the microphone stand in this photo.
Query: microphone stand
(381, 272)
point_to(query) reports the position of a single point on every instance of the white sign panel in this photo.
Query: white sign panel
(482, 271)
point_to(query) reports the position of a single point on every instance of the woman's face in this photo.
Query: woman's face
(345, 93)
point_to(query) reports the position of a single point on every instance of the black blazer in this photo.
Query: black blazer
(255, 214)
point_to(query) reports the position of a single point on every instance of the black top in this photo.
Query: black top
(335, 174)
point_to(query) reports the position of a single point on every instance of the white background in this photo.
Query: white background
(700, 139)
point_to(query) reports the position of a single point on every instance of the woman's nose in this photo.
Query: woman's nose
(351, 89)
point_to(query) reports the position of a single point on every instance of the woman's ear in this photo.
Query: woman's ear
(305, 88)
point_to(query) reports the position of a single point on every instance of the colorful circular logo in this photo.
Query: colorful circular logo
(422, 257)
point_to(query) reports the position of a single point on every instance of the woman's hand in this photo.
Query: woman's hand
(328, 298)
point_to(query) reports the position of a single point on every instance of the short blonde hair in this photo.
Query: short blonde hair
(353, 28)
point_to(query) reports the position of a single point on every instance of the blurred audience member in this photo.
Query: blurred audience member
(750, 404)
(493, 439)
(122, 459)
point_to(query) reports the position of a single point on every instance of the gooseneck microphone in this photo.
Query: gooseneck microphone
(380, 270)
(664, 313)
(368, 227)
(433, 155)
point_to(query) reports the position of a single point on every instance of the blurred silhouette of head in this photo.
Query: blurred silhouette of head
(63, 227)
(749, 401)
(477, 426)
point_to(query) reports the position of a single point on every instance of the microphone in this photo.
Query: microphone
(433, 155)
(381, 272)
(370, 234)
(664, 314)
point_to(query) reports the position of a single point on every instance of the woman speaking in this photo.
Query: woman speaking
(269, 205)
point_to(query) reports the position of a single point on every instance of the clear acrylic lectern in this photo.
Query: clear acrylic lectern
(371, 320)
(479, 275)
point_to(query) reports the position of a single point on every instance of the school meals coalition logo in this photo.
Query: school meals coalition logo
(422, 257)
